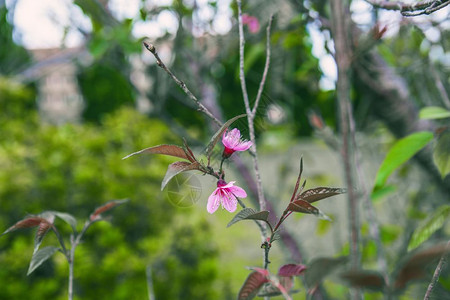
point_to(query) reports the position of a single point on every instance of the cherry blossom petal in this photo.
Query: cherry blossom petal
(213, 201)
(243, 146)
(229, 202)
(237, 191)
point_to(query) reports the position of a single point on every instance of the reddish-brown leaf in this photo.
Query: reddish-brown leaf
(43, 228)
(302, 207)
(291, 270)
(319, 193)
(298, 180)
(176, 168)
(28, 222)
(414, 266)
(109, 205)
(170, 150)
(252, 285)
(365, 279)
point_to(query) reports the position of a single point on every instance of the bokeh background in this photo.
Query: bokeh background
(78, 92)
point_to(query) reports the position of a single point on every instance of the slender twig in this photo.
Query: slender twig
(437, 272)
(75, 241)
(250, 115)
(343, 61)
(180, 83)
(425, 7)
(151, 293)
(266, 67)
(241, 61)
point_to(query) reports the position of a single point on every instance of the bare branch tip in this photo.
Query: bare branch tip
(150, 47)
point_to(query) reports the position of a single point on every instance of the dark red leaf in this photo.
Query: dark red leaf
(365, 279)
(28, 222)
(176, 168)
(302, 207)
(261, 271)
(298, 180)
(414, 265)
(43, 228)
(170, 150)
(319, 193)
(249, 214)
(109, 205)
(252, 285)
(291, 270)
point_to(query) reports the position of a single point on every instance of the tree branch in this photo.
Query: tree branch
(181, 84)
(340, 15)
(425, 7)
(250, 115)
(266, 68)
(437, 273)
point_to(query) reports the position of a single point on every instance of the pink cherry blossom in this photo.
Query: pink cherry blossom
(252, 23)
(233, 142)
(225, 194)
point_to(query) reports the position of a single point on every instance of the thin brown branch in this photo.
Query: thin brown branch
(241, 60)
(411, 9)
(266, 68)
(437, 273)
(181, 84)
(340, 14)
(250, 115)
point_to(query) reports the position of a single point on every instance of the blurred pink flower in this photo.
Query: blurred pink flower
(251, 22)
(233, 142)
(225, 194)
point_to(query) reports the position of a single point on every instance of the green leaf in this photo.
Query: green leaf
(382, 192)
(41, 256)
(433, 112)
(249, 214)
(430, 226)
(212, 143)
(176, 168)
(401, 152)
(68, 218)
(441, 153)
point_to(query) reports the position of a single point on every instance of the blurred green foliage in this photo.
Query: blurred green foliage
(75, 168)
